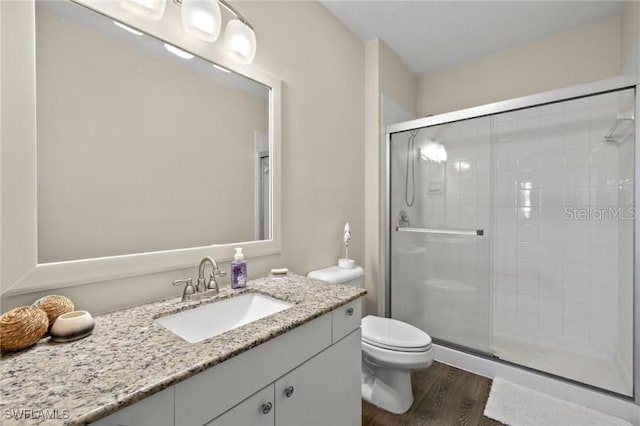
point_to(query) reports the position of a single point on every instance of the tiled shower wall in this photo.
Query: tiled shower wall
(559, 277)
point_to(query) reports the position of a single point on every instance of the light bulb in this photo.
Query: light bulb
(152, 9)
(127, 28)
(178, 52)
(202, 19)
(240, 40)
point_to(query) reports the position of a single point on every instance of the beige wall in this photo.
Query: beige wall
(385, 73)
(321, 65)
(630, 37)
(131, 142)
(584, 54)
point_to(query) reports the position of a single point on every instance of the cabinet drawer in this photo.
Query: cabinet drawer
(345, 319)
(157, 410)
(207, 395)
(257, 410)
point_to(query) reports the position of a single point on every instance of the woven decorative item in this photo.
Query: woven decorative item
(22, 327)
(54, 306)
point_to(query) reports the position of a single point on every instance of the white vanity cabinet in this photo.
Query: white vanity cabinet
(157, 410)
(324, 390)
(257, 410)
(307, 376)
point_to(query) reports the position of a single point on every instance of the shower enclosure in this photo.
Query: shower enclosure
(510, 231)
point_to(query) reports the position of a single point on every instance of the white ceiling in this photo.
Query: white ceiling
(428, 35)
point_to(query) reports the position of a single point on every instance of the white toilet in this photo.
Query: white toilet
(390, 349)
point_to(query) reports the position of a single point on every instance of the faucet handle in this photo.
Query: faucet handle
(220, 273)
(188, 290)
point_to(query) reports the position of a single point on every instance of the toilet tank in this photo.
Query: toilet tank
(337, 275)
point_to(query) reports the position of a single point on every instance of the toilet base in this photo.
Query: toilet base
(386, 388)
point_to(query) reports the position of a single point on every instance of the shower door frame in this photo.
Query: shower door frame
(538, 99)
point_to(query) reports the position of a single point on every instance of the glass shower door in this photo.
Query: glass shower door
(440, 221)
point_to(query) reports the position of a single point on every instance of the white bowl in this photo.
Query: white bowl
(72, 326)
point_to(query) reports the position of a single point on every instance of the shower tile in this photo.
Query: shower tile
(605, 175)
(552, 215)
(605, 296)
(576, 273)
(505, 300)
(505, 315)
(550, 252)
(528, 303)
(528, 251)
(552, 178)
(528, 161)
(506, 232)
(505, 248)
(576, 331)
(527, 320)
(528, 179)
(551, 271)
(505, 282)
(576, 196)
(604, 154)
(603, 275)
(505, 215)
(603, 255)
(577, 157)
(551, 308)
(505, 266)
(576, 177)
(528, 197)
(575, 311)
(528, 285)
(551, 326)
(577, 234)
(553, 158)
(602, 336)
(528, 233)
(604, 317)
(576, 293)
(551, 197)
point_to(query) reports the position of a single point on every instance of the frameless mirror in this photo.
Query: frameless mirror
(142, 147)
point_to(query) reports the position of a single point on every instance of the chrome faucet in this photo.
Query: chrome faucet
(202, 288)
(202, 285)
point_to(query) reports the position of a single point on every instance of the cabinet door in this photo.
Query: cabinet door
(157, 410)
(257, 410)
(324, 390)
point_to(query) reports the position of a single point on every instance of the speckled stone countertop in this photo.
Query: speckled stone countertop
(129, 356)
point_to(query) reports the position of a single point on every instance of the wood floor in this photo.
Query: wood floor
(443, 395)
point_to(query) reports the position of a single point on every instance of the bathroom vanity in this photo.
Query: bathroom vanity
(298, 366)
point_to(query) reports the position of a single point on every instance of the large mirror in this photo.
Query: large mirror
(128, 147)
(142, 147)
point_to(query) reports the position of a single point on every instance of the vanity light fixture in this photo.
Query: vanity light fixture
(240, 40)
(202, 18)
(152, 9)
(178, 52)
(127, 28)
(223, 69)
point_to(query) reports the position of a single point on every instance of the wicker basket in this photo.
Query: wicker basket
(54, 306)
(22, 327)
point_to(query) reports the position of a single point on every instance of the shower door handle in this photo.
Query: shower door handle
(476, 232)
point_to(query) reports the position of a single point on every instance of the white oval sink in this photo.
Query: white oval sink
(203, 322)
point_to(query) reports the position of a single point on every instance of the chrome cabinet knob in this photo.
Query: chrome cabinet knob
(288, 391)
(350, 311)
(266, 408)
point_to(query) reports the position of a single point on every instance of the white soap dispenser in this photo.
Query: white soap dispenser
(238, 270)
(345, 262)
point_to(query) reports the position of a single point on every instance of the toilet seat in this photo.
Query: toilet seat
(394, 335)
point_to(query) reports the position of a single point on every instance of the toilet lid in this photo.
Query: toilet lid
(393, 334)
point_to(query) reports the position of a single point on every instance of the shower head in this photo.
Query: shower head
(620, 128)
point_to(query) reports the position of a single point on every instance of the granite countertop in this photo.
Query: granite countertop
(129, 356)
